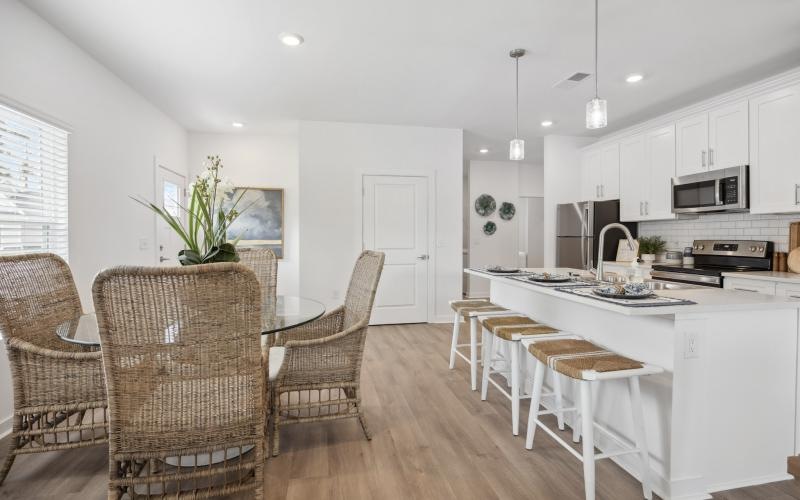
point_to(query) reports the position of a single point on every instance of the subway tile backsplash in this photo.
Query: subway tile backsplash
(680, 233)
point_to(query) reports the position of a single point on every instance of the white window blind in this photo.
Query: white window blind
(33, 185)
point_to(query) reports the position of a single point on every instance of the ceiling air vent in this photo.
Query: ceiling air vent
(571, 81)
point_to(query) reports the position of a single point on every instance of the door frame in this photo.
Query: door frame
(157, 163)
(358, 222)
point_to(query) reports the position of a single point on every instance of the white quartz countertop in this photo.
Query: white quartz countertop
(706, 299)
(781, 277)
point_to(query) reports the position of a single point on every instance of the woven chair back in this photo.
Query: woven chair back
(264, 263)
(37, 293)
(182, 357)
(362, 287)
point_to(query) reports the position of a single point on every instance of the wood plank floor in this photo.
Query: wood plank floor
(433, 439)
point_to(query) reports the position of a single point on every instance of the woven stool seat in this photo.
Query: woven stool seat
(575, 357)
(494, 323)
(459, 304)
(508, 332)
(467, 308)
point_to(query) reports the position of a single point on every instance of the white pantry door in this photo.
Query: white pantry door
(395, 221)
(170, 194)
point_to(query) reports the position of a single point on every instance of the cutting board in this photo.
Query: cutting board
(793, 262)
(794, 235)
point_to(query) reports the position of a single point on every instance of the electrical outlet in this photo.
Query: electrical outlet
(144, 243)
(691, 347)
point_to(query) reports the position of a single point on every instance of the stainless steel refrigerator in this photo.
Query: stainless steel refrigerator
(578, 225)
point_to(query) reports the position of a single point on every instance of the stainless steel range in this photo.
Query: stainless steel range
(714, 257)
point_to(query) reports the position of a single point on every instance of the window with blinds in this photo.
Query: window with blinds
(33, 185)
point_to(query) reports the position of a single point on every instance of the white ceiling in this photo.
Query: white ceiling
(438, 63)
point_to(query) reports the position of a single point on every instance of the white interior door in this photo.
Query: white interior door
(170, 194)
(395, 221)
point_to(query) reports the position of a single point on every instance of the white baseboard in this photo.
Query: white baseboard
(443, 318)
(732, 485)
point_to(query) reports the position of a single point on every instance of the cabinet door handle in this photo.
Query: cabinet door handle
(794, 296)
(703, 158)
(597, 190)
(641, 208)
(602, 190)
(797, 194)
(647, 208)
(710, 156)
(745, 290)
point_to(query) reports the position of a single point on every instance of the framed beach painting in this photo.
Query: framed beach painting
(261, 222)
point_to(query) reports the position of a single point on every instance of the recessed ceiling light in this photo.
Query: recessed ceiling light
(483, 151)
(634, 78)
(547, 123)
(237, 124)
(291, 39)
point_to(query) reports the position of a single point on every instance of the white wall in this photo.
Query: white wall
(333, 156)
(115, 135)
(263, 160)
(561, 183)
(498, 179)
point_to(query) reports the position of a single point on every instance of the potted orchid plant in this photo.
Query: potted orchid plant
(211, 210)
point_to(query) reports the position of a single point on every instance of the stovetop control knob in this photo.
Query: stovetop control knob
(699, 247)
(760, 249)
(753, 249)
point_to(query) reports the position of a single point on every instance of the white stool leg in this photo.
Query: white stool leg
(514, 386)
(490, 346)
(559, 400)
(454, 342)
(536, 398)
(473, 352)
(587, 424)
(641, 438)
(523, 366)
(576, 415)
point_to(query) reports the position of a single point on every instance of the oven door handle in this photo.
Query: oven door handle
(717, 196)
(692, 278)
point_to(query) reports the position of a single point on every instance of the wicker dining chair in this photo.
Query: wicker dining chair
(264, 263)
(316, 368)
(59, 390)
(186, 383)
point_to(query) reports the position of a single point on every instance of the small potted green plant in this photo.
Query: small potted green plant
(650, 246)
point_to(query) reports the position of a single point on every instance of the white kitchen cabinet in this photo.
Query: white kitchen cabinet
(713, 140)
(660, 150)
(633, 179)
(749, 285)
(600, 173)
(691, 145)
(775, 151)
(789, 290)
(727, 136)
(609, 164)
(647, 162)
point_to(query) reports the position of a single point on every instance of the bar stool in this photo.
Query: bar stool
(507, 331)
(587, 363)
(469, 311)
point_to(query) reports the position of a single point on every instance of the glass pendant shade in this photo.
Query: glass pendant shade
(516, 149)
(596, 113)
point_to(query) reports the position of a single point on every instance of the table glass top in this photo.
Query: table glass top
(285, 312)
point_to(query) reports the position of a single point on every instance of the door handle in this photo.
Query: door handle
(703, 158)
(422, 257)
(641, 208)
(602, 190)
(710, 156)
(162, 258)
(797, 194)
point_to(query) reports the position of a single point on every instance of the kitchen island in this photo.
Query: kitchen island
(723, 414)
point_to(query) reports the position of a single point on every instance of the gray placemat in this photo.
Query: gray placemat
(570, 284)
(656, 301)
(485, 271)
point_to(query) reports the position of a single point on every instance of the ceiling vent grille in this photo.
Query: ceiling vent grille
(571, 81)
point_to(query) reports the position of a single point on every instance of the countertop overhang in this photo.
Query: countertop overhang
(705, 299)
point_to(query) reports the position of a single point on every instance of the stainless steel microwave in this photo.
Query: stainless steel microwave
(724, 190)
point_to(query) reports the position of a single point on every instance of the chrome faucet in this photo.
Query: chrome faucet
(601, 246)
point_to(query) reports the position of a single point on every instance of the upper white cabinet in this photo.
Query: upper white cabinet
(692, 145)
(600, 173)
(727, 136)
(647, 163)
(713, 140)
(775, 151)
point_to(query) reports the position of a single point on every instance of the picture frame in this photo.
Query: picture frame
(261, 223)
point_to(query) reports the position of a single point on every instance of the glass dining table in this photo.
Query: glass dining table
(285, 312)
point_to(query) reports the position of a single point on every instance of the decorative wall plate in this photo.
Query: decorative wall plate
(489, 228)
(507, 210)
(485, 205)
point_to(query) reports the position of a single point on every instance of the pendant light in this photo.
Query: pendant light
(596, 109)
(516, 149)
